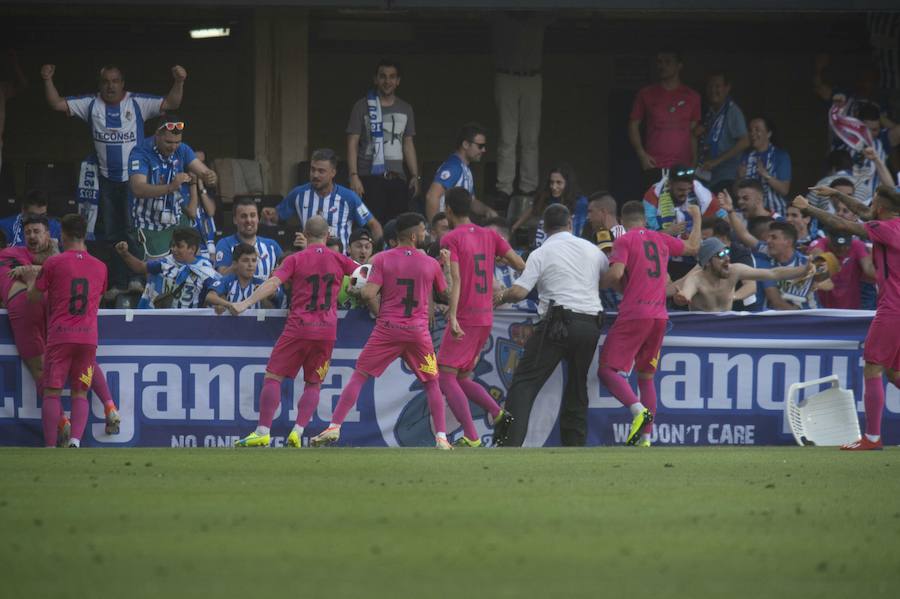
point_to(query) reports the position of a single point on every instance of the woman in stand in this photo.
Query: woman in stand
(561, 187)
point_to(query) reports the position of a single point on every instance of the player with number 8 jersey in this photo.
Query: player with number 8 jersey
(405, 278)
(639, 266)
(74, 281)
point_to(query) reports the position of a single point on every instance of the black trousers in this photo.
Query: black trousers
(385, 198)
(540, 359)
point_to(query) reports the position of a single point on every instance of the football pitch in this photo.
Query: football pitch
(602, 522)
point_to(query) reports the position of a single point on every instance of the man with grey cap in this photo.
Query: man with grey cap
(709, 287)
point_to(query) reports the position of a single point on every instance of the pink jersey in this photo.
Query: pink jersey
(74, 282)
(11, 258)
(667, 116)
(847, 292)
(315, 274)
(474, 249)
(407, 277)
(645, 255)
(885, 236)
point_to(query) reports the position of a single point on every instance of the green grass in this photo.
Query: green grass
(686, 522)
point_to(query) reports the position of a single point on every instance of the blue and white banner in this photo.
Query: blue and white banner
(186, 378)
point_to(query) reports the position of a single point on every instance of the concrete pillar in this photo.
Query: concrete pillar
(281, 94)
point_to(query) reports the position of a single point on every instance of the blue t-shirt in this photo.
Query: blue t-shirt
(15, 233)
(156, 214)
(229, 288)
(268, 250)
(341, 208)
(454, 173)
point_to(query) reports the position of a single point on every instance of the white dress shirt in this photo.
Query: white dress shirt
(567, 270)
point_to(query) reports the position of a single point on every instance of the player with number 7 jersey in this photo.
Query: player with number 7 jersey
(74, 282)
(639, 268)
(405, 277)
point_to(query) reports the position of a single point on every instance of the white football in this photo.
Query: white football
(360, 276)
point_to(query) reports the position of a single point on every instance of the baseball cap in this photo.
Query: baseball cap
(361, 233)
(604, 239)
(709, 248)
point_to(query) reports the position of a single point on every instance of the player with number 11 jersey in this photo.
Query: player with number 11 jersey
(405, 278)
(315, 276)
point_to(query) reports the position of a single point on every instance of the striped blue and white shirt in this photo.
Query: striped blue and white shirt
(268, 250)
(341, 209)
(187, 282)
(579, 217)
(454, 173)
(115, 128)
(163, 212)
(229, 288)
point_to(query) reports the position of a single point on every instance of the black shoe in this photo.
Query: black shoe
(501, 428)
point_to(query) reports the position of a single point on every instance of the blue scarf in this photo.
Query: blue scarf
(376, 130)
(89, 192)
(715, 124)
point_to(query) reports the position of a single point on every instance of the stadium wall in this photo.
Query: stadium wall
(191, 378)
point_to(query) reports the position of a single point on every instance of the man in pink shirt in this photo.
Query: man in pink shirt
(882, 347)
(853, 261)
(28, 321)
(73, 283)
(471, 314)
(315, 276)
(669, 111)
(638, 269)
(405, 278)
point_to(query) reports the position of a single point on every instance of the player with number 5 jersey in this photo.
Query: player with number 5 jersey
(472, 252)
(315, 276)
(639, 269)
(405, 277)
(73, 281)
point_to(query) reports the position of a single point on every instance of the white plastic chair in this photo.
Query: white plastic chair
(826, 418)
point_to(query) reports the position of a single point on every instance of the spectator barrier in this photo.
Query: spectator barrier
(191, 378)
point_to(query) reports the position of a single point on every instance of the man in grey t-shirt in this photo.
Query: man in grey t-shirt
(377, 150)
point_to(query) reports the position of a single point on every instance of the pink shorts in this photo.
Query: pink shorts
(28, 322)
(883, 343)
(387, 343)
(290, 353)
(633, 343)
(463, 354)
(72, 362)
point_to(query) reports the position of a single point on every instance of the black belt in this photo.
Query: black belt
(519, 73)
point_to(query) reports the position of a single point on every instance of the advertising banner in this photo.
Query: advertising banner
(190, 378)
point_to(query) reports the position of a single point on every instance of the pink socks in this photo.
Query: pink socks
(348, 397)
(478, 394)
(307, 403)
(618, 386)
(101, 389)
(873, 394)
(50, 409)
(458, 402)
(269, 399)
(436, 406)
(80, 410)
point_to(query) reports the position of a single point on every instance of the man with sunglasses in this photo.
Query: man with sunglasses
(159, 173)
(710, 287)
(471, 145)
(116, 118)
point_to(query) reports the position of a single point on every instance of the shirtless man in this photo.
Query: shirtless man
(710, 287)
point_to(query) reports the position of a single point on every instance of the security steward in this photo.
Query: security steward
(566, 271)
